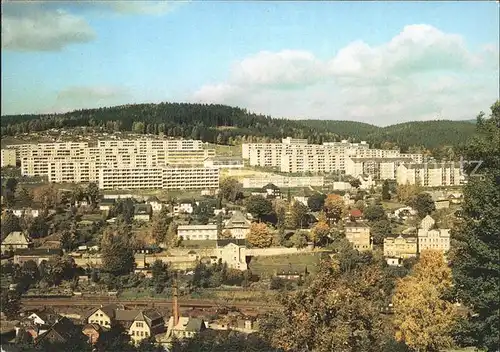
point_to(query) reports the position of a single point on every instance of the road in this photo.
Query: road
(187, 303)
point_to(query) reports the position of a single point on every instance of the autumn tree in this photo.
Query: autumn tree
(335, 207)
(406, 192)
(159, 226)
(230, 189)
(335, 312)
(423, 319)
(116, 251)
(319, 232)
(46, 196)
(298, 212)
(259, 235)
(259, 206)
(474, 257)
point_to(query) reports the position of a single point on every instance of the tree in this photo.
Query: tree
(259, 235)
(316, 202)
(24, 196)
(10, 223)
(38, 228)
(10, 191)
(46, 196)
(335, 312)
(386, 194)
(360, 205)
(116, 252)
(299, 239)
(259, 206)
(475, 255)
(406, 192)
(374, 213)
(423, 204)
(161, 275)
(355, 183)
(11, 303)
(92, 193)
(422, 317)
(226, 234)
(230, 189)
(298, 214)
(125, 208)
(320, 232)
(335, 207)
(114, 339)
(159, 226)
(379, 230)
(149, 345)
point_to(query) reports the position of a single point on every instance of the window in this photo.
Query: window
(142, 333)
(133, 333)
(139, 324)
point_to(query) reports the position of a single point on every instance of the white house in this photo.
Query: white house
(156, 205)
(185, 208)
(238, 225)
(21, 212)
(197, 232)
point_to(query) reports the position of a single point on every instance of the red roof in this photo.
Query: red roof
(356, 213)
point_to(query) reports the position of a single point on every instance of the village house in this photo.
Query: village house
(14, 241)
(156, 205)
(430, 237)
(26, 211)
(37, 255)
(197, 232)
(238, 225)
(62, 331)
(36, 322)
(232, 253)
(93, 331)
(398, 248)
(139, 324)
(183, 208)
(358, 233)
(142, 212)
(271, 191)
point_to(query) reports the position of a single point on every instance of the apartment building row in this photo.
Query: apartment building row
(297, 156)
(123, 164)
(283, 181)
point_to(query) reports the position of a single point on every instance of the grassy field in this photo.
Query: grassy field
(390, 205)
(226, 150)
(268, 266)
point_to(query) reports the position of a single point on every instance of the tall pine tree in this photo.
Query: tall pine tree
(475, 258)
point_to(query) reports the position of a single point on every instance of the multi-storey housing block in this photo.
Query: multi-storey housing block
(8, 157)
(430, 174)
(297, 156)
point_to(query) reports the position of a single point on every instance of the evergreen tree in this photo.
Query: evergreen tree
(386, 195)
(475, 257)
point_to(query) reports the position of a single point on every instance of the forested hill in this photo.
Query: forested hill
(428, 134)
(211, 123)
(225, 124)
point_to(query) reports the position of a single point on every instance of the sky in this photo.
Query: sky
(375, 62)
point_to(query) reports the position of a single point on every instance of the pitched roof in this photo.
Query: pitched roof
(127, 315)
(194, 324)
(63, 328)
(356, 213)
(16, 238)
(142, 209)
(237, 220)
(271, 186)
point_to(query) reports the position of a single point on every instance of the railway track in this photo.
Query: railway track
(187, 303)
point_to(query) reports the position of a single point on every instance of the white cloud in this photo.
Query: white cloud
(82, 93)
(157, 8)
(421, 73)
(32, 28)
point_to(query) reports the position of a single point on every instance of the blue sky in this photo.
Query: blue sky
(377, 62)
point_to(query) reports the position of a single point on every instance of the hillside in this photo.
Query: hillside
(224, 124)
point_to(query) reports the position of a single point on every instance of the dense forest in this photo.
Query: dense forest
(231, 125)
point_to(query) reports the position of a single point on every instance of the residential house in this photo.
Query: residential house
(142, 212)
(367, 182)
(197, 232)
(442, 204)
(26, 211)
(156, 205)
(301, 199)
(358, 233)
(93, 331)
(62, 331)
(271, 190)
(106, 204)
(186, 327)
(355, 214)
(430, 237)
(233, 254)
(397, 248)
(37, 255)
(238, 225)
(37, 322)
(16, 240)
(349, 199)
(139, 324)
(183, 208)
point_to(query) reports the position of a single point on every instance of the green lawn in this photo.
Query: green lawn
(268, 266)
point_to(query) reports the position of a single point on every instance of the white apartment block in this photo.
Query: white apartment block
(283, 181)
(297, 156)
(168, 177)
(8, 157)
(126, 164)
(197, 232)
(430, 174)
(379, 168)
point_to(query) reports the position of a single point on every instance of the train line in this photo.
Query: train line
(32, 302)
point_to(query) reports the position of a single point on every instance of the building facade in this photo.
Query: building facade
(358, 233)
(400, 247)
(197, 232)
(8, 157)
(430, 174)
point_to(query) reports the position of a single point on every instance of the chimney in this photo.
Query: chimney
(175, 303)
